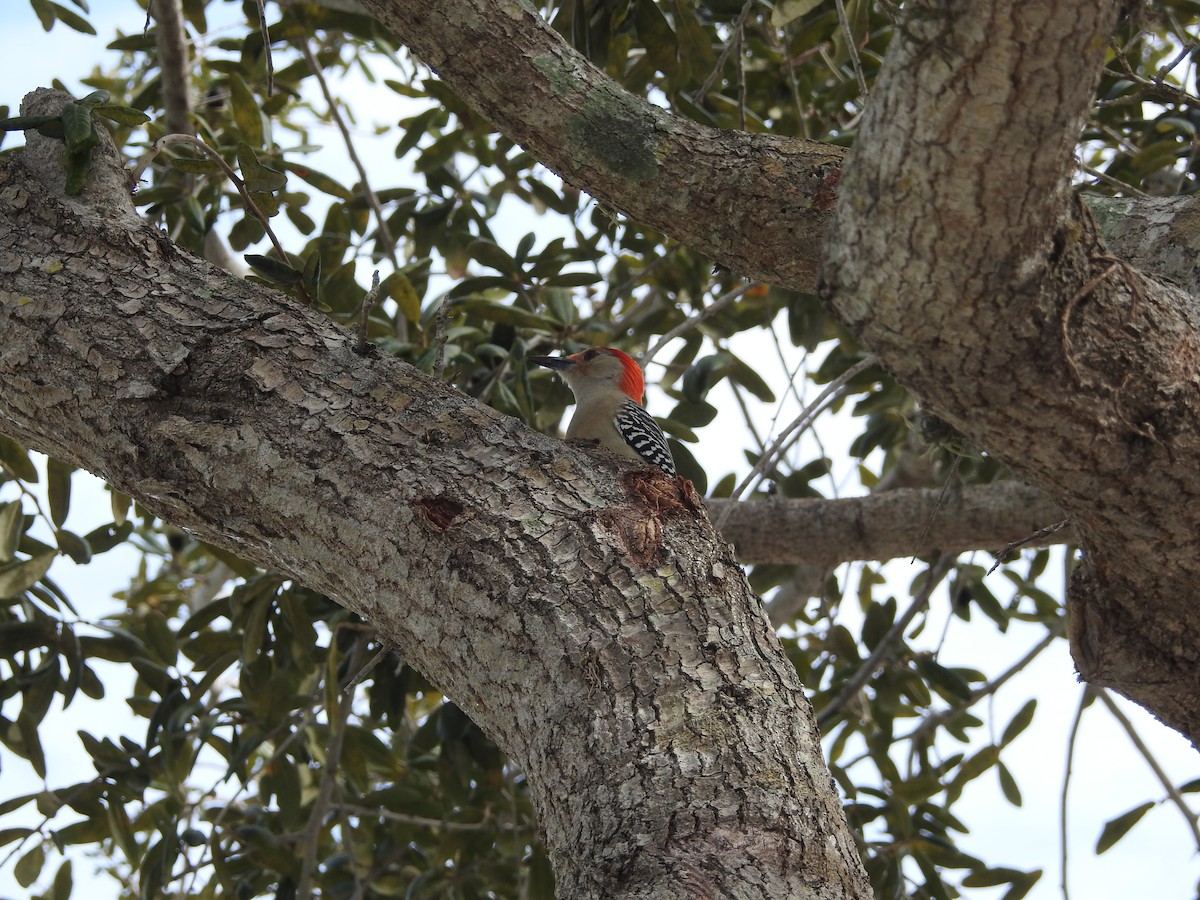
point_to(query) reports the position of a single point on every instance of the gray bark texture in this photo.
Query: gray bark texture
(958, 255)
(585, 614)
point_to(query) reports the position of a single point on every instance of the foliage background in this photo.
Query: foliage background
(227, 722)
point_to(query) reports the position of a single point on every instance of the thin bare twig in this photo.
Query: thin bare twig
(740, 23)
(265, 31)
(310, 837)
(708, 312)
(422, 821)
(389, 243)
(1031, 539)
(385, 233)
(781, 443)
(1169, 786)
(851, 48)
(1084, 698)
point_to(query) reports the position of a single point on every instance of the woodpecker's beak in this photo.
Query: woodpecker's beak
(552, 362)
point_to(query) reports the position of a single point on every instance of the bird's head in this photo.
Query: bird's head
(597, 370)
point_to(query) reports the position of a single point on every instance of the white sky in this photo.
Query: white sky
(1156, 860)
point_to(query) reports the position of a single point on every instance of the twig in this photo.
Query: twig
(265, 31)
(707, 312)
(370, 666)
(321, 804)
(1113, 182)
(368, 304)
(698, 97)
(875, 661)
(1031, 539)
(780, 443)
(1084, 699)
(1064, 321)
(937, 505)
(385, 233)
(1164, 780)
(423, 822)
(848, 37)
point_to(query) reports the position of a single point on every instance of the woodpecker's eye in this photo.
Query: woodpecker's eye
(589, 355)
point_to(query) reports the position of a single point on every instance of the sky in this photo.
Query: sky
(1157, 859)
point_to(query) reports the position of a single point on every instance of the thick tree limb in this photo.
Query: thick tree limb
(706, 187)
(956, 258)
(894, 524)
(959, 258)
(587, 617)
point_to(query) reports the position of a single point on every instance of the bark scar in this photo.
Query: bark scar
(440, 512)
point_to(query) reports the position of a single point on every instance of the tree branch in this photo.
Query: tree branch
(887, 525)
(587, 617)
(667, 172)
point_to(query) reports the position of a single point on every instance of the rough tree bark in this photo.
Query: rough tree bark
(587, 616)
(1003, 310)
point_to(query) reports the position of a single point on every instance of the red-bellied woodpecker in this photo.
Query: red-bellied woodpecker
(608, 387)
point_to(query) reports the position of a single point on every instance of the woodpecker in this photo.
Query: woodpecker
(608, 387)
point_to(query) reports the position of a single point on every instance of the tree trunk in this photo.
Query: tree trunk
(584, 613)
(1002, 309)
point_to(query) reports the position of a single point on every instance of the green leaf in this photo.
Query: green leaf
(494, 257)
(105, 537)
(320, 181)
(573, 279)
(1019, 723)
(29, 867)
(398, 287)
(122, 831)
(274, 270)
(751, 381)
(73, 546)
(123, 115)
(44, 10)
(505, 315)
(58, 488)
(246, 113)
(8, 835)
(73, 20)
(694, 415)
(120, 504)
(193, 165)
(79, 129)
(13, 456)
(658, 37)
(787, 11)
(259, 177)
(19, 577)
(12, 526)
(21, 123)
(63, 882)
(1117, 828)
(1008, 784)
